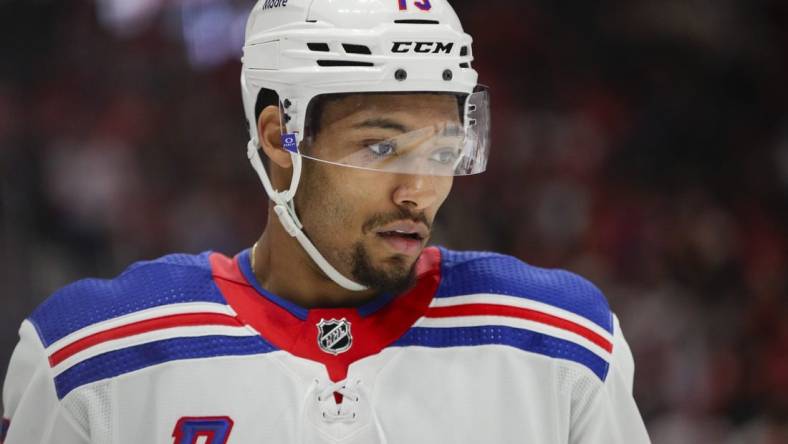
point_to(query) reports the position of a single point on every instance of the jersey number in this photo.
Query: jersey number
(424, 5)
(216, 429)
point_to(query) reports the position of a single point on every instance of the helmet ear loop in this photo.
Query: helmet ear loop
(253, 153)
(285, 210)
(289, 219)
(288, 196)
(282, 199)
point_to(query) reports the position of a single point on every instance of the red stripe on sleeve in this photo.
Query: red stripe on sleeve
(521, 313)
(136, 328)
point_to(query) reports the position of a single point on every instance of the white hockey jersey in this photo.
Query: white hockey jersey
(190, 349)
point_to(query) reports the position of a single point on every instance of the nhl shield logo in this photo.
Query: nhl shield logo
(333, 336)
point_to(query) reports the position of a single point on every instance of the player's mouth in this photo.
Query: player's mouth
(404, 237)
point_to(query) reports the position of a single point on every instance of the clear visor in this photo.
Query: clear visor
(437, 134)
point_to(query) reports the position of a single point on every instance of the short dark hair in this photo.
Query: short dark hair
(266, 97)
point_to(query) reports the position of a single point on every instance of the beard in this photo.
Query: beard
(396, 279)
(398, 276)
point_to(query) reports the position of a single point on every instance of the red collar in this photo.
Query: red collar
(287, 331)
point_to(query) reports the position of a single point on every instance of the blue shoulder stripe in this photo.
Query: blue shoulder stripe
(118, 362)
(526, 340)
(464, 273)
(168, 280)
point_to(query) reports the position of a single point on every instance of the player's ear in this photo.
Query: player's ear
(269, 127)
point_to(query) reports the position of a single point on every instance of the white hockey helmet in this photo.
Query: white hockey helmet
(306, 49)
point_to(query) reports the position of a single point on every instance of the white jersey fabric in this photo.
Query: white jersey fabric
(190, 349)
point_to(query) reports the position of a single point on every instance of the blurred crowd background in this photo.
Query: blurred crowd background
(641, 143)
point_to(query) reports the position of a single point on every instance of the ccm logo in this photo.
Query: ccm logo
(422, 47)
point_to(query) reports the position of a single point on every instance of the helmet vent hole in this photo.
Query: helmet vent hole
(463, 51)
(417, 22)
(465, 65)
(356, 49)
(321, 47)
(343, 63)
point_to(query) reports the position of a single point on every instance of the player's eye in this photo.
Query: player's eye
(383, 148)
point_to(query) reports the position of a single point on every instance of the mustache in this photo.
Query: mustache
(381, 219)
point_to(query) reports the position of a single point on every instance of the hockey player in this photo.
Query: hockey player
(338, 325)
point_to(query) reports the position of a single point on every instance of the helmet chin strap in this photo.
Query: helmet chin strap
(284, 207)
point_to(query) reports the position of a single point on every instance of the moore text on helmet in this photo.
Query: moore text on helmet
(422, 47)
(269, 4)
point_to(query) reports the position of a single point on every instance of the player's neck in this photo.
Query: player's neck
(283, 267)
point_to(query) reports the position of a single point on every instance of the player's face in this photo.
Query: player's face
(373, 225)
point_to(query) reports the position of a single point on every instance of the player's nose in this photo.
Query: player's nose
(415, 191)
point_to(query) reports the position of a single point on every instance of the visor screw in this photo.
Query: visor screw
(400, 74)
(447, 75)
(287, 103)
